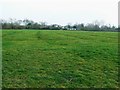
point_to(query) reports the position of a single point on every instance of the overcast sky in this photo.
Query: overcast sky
(61, 11)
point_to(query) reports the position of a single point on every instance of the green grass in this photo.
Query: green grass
(0, 58)
(60, 59)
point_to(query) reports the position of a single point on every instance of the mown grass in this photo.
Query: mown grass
(0, 58)
(59, 59)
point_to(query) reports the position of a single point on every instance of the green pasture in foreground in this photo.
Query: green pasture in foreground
(59, 59)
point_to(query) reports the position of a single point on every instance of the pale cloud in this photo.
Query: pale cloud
(61, 11)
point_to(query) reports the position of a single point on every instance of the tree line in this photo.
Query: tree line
(30, 24)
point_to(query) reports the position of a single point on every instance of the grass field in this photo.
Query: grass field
(59, 59)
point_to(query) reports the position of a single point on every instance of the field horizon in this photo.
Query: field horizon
(59, 59)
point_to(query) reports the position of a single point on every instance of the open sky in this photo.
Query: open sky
(61, 11)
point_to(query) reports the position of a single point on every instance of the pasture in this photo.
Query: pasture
(59, 59)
